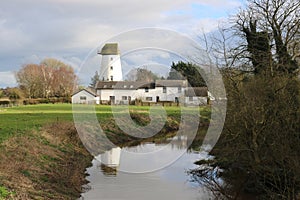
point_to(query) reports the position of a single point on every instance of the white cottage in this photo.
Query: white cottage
(113, 90)
(196, 96)
(116, 92)
(85, 96)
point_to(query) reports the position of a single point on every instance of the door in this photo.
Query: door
(112, 100)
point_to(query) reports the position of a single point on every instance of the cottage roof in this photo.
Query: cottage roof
(110, 49)
(171, 83)
(131, 85)
(88, 90)
(196, 91)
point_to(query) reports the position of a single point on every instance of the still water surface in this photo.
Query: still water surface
(171, 182)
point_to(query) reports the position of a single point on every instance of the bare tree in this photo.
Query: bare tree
(258, 151)
(50, 78)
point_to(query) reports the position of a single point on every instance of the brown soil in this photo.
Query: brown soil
(45, 164)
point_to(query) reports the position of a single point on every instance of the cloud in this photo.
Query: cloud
(7, 79)
(69, 29)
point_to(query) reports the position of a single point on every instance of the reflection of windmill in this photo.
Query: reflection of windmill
(108, 171)
(179, 142)
(110, 161)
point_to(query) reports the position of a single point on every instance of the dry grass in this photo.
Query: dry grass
(45, 164)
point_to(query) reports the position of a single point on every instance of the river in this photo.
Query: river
(116, 180)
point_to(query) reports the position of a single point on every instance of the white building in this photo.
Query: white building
(196, 96)
(85, 96)
(111, 69)
(113, 90)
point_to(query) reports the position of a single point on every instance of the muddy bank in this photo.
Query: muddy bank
(46, 164)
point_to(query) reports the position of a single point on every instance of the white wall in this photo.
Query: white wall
(171, 93)
(195, 101)
(106, 72)
(118, 94)
(90, 99)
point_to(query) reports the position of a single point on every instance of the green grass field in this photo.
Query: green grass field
(49, 148)
(19, 120)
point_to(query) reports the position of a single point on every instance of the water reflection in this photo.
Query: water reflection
(108, 181)
(110, 161)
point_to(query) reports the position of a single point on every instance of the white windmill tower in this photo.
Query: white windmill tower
(111, 69)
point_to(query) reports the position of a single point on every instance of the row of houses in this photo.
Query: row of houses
(133, 92)
(113, 90)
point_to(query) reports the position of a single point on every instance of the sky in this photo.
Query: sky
(69, 30)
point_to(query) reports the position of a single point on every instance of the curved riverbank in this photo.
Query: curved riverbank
(42, 157)
(45, 164)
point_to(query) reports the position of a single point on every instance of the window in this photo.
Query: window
(111, 58)
(111, 78)
(111, 67)
(179, 89)
(124, 98)
(146, 89)
(148, 98)
(191, 98)
(176, 100)
(164, 89)
(82, 97)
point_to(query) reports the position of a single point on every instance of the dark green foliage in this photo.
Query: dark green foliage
(4, 102)
(189, 71)
(259, 48)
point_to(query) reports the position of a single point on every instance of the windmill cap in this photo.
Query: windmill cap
(110, 49)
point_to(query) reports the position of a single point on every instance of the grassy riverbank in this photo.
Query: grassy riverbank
(41, 156)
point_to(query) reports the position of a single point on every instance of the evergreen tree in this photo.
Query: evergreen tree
(189, 71)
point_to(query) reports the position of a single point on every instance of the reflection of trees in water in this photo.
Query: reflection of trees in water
(108, 170)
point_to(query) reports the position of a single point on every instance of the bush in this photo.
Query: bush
(4, 102)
